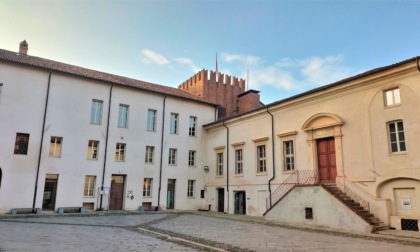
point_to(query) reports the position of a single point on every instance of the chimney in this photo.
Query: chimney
(23, 48)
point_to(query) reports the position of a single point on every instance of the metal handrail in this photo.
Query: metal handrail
(300, 177)
(353, 196)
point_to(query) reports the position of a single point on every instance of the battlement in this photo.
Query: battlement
(224, 91)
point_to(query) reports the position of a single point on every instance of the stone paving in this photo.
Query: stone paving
(173, 232)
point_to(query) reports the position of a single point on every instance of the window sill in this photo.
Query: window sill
(120, 161)
(153, 131)
(149, 197)
(288, 171)
(92, 159)
(55, 156)
(261, 174)
(95, 123)
(392, 106)
(89, 197)
(398, 153)
(191, 197)
(148, 163)
(239, 175)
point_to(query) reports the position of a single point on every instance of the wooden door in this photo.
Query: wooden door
(221, 200)
(117, 193)
(326, 160)
(170, 196)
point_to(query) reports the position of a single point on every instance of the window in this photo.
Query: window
(396, 136)
(172, 156)
(123, 116)
(147, 187)
(89, 186)
(392, 97)
(148, 159)
(120, 152)
(288, 156)
(174, 123)
(190, 192)
(151, 120)
(238, 162)
(261, 166)
(308, 213)
(202, 194)
(55, 146)
(193, 126)
(96, 112)
(21, 144)
(219, 164)
(92, 149)
(191, 158)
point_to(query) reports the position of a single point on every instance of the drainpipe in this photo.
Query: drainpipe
(106, 147)
(215, 113)
(227, 164)
(42, 140)
(161, 152)
(274, 154)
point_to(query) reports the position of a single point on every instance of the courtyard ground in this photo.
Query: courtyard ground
(182, 231)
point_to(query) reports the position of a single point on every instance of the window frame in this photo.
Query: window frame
(151, 120)
(261, 159)
(96, 112)
(119, 150)
(89, 187)
(394, 97)
(147, 187)
(239, 164)
(149, 154)
(172, 156)
(54, 153)
(123, 111)
(286, 155)
(399, 143)
(219, 164)
(191, 188)
(192, 129)
(94, 151)
(23, 139)
(192, 158)
(174, 124)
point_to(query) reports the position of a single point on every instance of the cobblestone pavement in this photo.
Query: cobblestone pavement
(175, 232)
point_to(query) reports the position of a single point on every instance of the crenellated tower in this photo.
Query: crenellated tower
(225, 91)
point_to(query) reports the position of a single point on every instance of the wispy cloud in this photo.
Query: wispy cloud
(288, 73)
(153, 57)
(189, 63)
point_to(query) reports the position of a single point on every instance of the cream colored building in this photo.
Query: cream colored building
(344, 155)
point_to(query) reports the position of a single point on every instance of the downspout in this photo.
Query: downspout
(215, 112)
(227, 164)
(106, 147)
(42, 139)
(161, 152)
(274, 154)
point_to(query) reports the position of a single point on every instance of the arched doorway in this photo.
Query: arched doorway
(324, 137)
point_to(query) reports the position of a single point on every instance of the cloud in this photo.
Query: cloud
(288, 73)
(189, 63)
(153, 57)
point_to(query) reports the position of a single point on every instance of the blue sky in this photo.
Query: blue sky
(288, 46)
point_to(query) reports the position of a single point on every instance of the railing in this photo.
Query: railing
(353, 196)
(308, 177)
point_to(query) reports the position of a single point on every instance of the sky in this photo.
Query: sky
(287, 47)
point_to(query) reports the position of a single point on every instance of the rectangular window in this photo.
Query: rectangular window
(151, 120)
(193, 126)
(148, 159)
(190, 192)
(238, 162)
(288, 156)
(172, 156)
(55, 146)
(396, 136)
(21, 144)
(96, 112)
(174, 123)
(261, 159)
(191, 158)
(219, 164)
(123, 116)
(147, 187)
(92, 149)
(392, 97)
(120, 152)
(89, 186)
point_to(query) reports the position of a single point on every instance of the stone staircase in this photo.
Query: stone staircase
(365, 214)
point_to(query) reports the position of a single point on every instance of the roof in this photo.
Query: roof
(322, 88)
(54, 66)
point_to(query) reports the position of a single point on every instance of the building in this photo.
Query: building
(342, 155)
